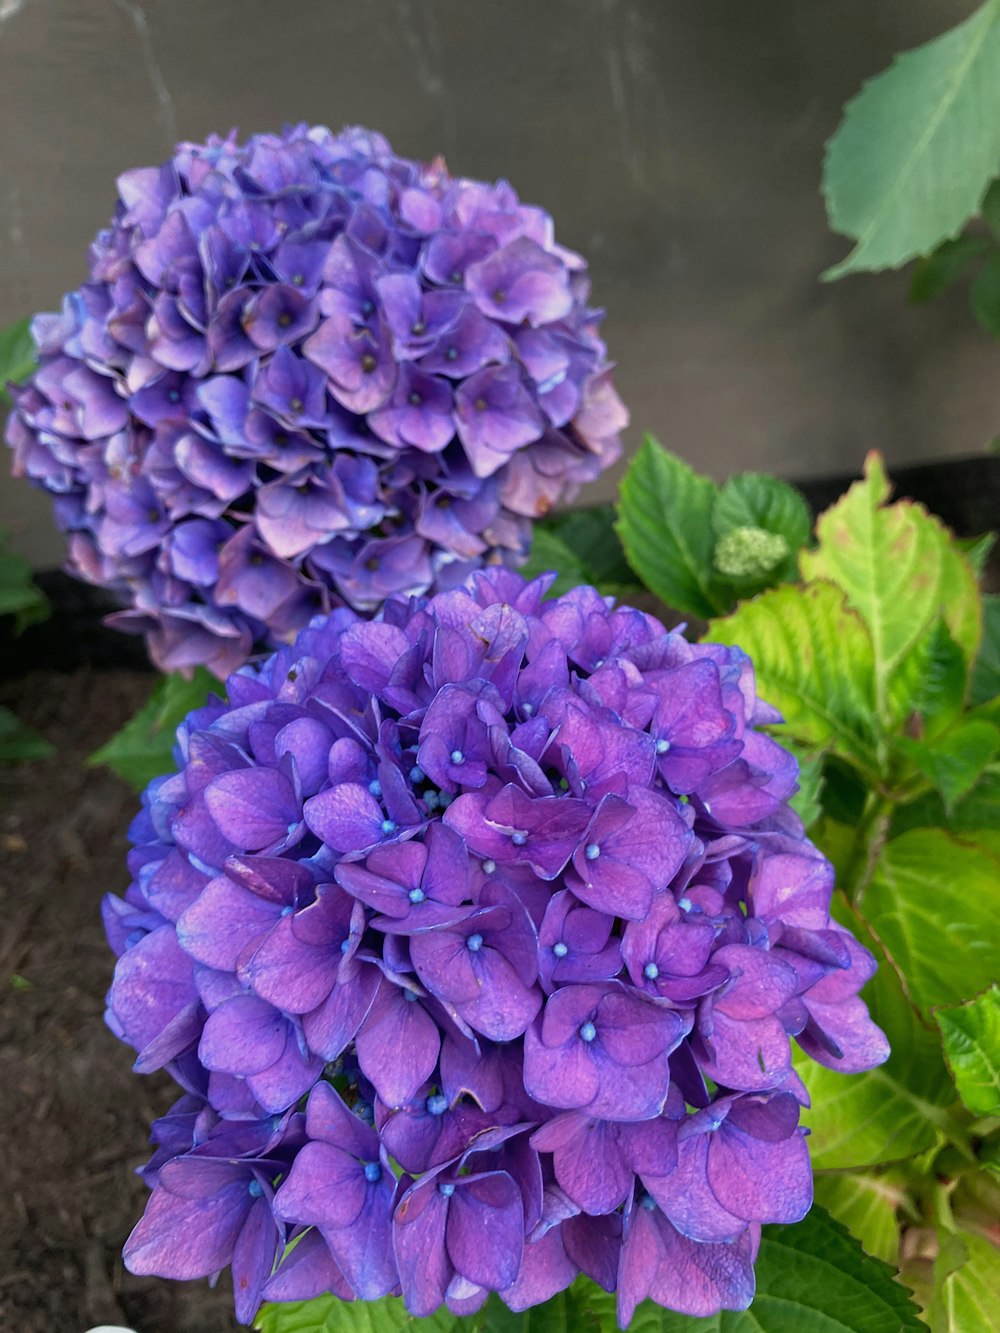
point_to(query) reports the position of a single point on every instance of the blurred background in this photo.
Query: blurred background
(678, 144)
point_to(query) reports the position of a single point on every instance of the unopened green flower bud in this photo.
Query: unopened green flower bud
(750, 553)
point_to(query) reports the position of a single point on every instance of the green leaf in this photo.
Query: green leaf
(813, 661)
(327, 1314)
(938, 270)
(985, 682)
(977, 550)
(19, 743)
(953, 762)
(143, 749)
(980, 809)
(755, 500)
(932, 902)
(971, 1035)
(889, 1113)
(929, 685)
(549, 552)
(807, 801)
(665, 526)
(17, 355)
(19, 596)
(811, 1278)
(986, 296)
(967, 1284)
(590, 534)
(868, 1203)
(912, 156)
(899, 571)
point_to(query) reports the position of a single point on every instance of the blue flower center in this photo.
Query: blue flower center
(519, 839)
(592, 852)
(287, 911)
(255, 1189)
(446, 1188)
(410, 996)
(684, 904)
(560, 950)
(588, 1032)
(648, 1202)
(651, 971)
(416, 895)
(375, 787)
(475, 942)
(417, 775)
(373, 1172)
(457, 757)
(345, 945)
(489, 866)
(437, 1104)
(662, 746)
(389, 826)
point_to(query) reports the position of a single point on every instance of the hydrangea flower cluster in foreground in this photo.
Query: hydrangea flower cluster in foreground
(307, 372)
(507, 896)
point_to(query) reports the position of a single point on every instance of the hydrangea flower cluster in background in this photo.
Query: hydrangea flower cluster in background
(477, 937)
(309, 373)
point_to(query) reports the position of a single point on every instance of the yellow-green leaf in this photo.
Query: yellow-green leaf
(971, 1035)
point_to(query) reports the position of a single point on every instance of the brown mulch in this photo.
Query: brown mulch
(74, 1119)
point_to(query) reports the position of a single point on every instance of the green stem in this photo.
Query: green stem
(868, 840)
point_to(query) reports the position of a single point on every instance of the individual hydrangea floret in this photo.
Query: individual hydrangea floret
(307, 373)
(477, 937)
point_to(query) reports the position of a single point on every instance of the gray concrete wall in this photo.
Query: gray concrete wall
(677, 142)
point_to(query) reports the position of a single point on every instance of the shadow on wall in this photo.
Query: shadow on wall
(678, 146)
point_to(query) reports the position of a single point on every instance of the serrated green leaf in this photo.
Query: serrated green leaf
(938, 270)
(813, 660)
(932, 902)
(665, 526)
(971, 1034)
(889, 1113)
(17, 355)
(868, 1203)
(985, 680)
(910, 161)
(19, 743)
(977, 550)
(143, 748)
(327, 1314)
(813, 1277)
(756, 500)
(899, 571)
(979, 810)
(966, 1284)
(986, 296)
(929, 685)
(955, 761)
(550, 553)
(590, 534)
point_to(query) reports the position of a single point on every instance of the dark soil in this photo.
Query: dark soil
(74, 1119)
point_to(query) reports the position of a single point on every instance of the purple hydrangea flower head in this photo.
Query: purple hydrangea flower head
(470, 982)
(307, 373)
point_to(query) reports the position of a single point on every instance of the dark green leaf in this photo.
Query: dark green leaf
(18, 742)
(928, 686)
(977, 550)
(143, 749)
(755, 500)
(986, 296)
(665, 526)
(591, 534)
(807, 801)
(19, 596)
(985, 683)
(938, 270)
(813, 1277)
(955, 761)
(980, 809)
(549, 553)
(990, 208)
(971, 1035)
(17, 355)
(908, 166)
(844, 792)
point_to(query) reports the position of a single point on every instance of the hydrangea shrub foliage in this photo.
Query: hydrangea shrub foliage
(307, 373)
(478, 936)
